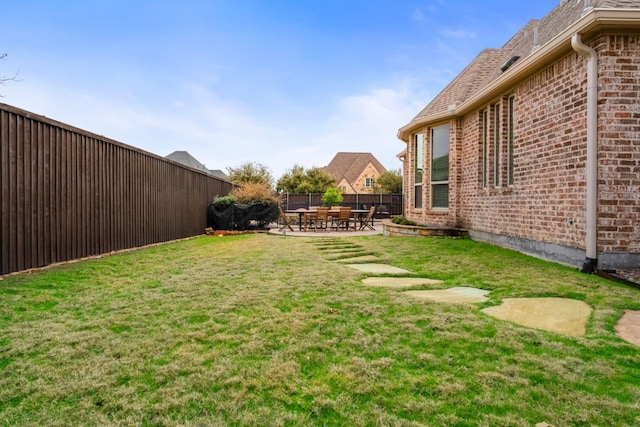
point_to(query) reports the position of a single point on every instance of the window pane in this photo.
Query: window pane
(496, 145)
(510, 142)
(440, 195)
(417, 149)
(440, 153)
(485, 137)
(417, 203)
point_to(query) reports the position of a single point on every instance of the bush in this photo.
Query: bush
(403, 221)
(332, 197)
(221, 201)
(254, 192)
(249, 206)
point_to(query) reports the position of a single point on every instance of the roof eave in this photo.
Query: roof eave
(594, 20)
(405, 131)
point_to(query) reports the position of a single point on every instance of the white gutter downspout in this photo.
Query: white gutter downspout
(591, 241)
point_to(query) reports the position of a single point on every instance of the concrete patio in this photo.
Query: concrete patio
(325, 233)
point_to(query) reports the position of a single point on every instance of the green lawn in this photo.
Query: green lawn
(267, 330)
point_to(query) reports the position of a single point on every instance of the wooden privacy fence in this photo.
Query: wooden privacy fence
(386, 204)
(68, 194)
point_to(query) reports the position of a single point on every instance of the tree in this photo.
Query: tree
(320, 180)
(251, 172)
(299, 180)
(332, 197)
(389, 182)
(291, 180)
(4, 79)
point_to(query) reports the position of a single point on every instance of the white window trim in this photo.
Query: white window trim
(418, 186)
(434, 183)
(511, 124)
(497, 146)
(484, 141)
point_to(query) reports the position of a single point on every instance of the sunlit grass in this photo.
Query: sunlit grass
(270, 330)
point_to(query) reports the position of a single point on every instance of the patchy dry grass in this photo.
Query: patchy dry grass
(266, 330)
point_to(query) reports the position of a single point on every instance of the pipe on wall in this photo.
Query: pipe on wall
(591, 242)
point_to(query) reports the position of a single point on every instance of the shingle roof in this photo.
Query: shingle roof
(468, 82)
(218, 173)
(188, 160)
(351, 165)
(486, 67)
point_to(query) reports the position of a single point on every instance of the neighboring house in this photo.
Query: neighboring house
(355, 173)
(219, 174)
(188, 160)
(536, 146)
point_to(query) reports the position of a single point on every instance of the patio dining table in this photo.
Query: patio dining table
(304, 213)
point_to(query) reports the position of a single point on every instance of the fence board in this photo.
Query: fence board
(387, 204)
(68, 193)
(4, 188)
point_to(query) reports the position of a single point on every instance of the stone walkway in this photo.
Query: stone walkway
(461, 294)
(628, 326)
(560, 315)
(399, 282)
(563, 315)
(327, 233)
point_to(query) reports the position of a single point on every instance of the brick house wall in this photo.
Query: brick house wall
(546, 201)
(351, 171)
(544, 209)
(619, 152)
(370, 171)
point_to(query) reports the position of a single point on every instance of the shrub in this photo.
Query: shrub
(332, 197)
(221, 201)
(403, 221)
(254, 192)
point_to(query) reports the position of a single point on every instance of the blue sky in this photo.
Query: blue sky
(278, 82)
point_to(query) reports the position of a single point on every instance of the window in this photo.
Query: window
(510, 125)
(485, 143)
(496, 145)
(440, 167)
(369, 182)
(497, 124)
(418, 166)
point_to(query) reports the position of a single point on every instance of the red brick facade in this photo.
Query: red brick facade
(544, 206)
(619, 152)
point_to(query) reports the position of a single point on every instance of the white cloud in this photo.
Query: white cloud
(221, 133)
(369, 123)
(459, 34)
(417, 15)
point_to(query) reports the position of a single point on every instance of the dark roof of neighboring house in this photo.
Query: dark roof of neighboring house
(487, 66)
(188, 160)
(218, 173)
(351, 165)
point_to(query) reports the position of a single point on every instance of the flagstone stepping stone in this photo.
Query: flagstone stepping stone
(336, 255)
(399, 282)
(628, 327)
(334, 248)
(363, 258)
(562, 315)
(461, 294)
(344, 252)
(378, 268)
